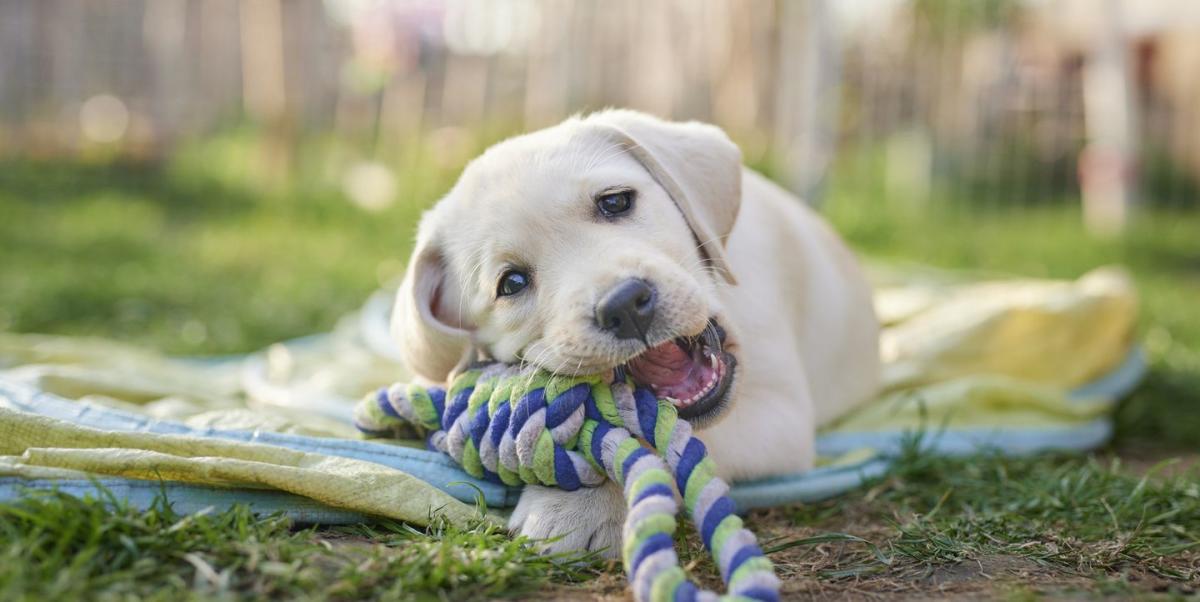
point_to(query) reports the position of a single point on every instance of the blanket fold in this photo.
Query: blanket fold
(30, 442)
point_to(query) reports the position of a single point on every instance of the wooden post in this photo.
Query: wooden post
(1107, 165)
(264, 90)
(263, 87)
(807, 80)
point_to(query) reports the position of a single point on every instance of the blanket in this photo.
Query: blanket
(1011, 365)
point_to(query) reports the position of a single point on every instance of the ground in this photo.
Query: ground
(193, 256)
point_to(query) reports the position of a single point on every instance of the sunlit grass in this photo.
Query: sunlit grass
(1072, 516)
(191, 257)
(55, 547)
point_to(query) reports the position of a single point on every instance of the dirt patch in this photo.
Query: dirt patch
(1159, 464)
(988, 568)
(848, 570)
(609, 587)
(983, 578)
(986, 578)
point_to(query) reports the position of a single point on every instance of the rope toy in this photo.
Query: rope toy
(533, 427)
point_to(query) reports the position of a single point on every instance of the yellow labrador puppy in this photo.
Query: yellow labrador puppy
(620, 240)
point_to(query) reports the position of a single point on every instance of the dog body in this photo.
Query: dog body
(809, 335)
(619, 240)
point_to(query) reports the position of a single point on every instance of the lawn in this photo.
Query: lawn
(199, 255)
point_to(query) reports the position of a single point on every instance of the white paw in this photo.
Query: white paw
(586, 519)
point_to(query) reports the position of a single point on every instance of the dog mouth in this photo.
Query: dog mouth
(693, 373)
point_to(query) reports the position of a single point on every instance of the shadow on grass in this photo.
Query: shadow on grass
(1163, 414)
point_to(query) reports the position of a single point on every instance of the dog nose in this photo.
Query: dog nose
(627, 309)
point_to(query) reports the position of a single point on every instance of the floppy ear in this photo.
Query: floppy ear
(426, 320)
(697, 164)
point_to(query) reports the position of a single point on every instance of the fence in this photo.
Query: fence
(997, 101)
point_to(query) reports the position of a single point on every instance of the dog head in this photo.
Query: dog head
(590, 246)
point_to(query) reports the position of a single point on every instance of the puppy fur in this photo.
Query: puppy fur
(715, 239)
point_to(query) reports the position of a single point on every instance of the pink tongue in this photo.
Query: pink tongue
(670, 371)
(667, 364)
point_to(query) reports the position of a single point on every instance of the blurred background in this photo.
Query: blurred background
(211, 176)
(992, 101)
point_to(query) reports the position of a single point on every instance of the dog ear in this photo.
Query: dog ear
(697, 164)
(426, 318)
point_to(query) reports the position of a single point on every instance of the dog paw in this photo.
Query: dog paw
(587, 519)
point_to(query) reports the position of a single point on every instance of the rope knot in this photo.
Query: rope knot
(532, 427)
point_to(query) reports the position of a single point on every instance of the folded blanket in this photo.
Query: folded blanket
(1015, 365)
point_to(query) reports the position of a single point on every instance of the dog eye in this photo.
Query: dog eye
(511, 283)
(615, 203)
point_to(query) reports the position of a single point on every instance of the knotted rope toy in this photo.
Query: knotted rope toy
(533, 427)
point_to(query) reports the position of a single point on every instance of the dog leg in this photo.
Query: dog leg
(585, 519)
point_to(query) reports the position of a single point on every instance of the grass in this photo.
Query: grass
(1079, 514)
(195, 256)
(200, 256)
(55, 547)
(1055, 523)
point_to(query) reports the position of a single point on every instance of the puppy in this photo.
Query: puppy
(620, 240)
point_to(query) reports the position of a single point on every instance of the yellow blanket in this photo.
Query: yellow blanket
(957, 354)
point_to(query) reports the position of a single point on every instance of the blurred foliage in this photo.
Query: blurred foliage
(1164, 181)
(1007, 172)
(1018, 173)
(208, 253)
(957, 17)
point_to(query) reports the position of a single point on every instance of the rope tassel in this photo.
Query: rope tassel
(517, 428)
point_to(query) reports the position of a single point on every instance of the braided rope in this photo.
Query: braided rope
(569, 432)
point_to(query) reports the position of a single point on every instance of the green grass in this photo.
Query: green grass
(55, 547)
(1068, 522)
(201, 255)
(1076, 513)
(196, 256)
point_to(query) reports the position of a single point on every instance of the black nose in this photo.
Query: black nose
(627, 309)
